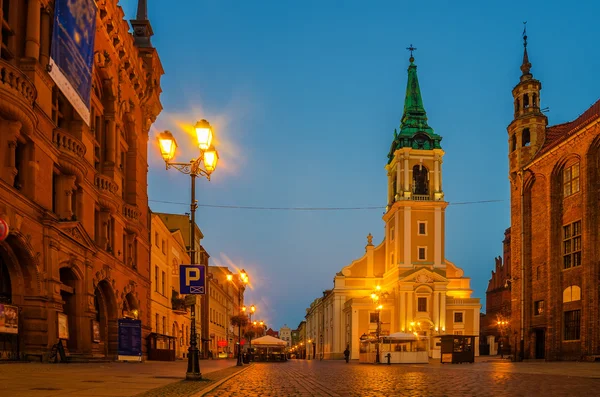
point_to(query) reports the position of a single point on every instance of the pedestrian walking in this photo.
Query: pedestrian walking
(501, 351)
(347, 354)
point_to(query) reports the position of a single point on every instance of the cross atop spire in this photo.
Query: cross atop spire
(411, 49)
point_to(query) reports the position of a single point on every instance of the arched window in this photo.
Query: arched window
(420, 180)
(513, 145)
(517, 105)
(534, 100)
(572, 294)
(525, 101)
(526, 137)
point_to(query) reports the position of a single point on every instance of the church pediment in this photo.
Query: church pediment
(76, 232)
(423, 276)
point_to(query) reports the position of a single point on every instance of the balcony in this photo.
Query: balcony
(106, 185)
(15, 83)
(67, 143)
(131, 212)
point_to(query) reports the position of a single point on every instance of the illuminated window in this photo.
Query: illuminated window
(571, 180)
(572, 245)
(538, 308)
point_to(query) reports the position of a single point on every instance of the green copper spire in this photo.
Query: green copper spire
(414, 130)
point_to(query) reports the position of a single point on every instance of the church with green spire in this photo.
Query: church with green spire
(414, 131)
(404, 285)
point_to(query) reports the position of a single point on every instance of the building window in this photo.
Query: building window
(156, 239)
(422, 228)
(392, 259)
(373, 317)
(526, 138)
(392, 233)
(458, 332)
(162, 283)
(164, 325)
(156, 278)
(422, 253)
(538, 308)
(458, 317)
(571, 180)
(572, 294)
(572, 325)
(156, 322)
(422, 304)
(572, 245)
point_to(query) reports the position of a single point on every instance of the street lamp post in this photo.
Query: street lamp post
(252, 310)
(208, 157)
(375, 295)
(242, 280)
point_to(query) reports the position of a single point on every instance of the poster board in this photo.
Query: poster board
(96, 332)
(9, 319)
(130, 340)
(63, 326)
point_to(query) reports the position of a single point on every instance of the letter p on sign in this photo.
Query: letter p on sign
(191, 279)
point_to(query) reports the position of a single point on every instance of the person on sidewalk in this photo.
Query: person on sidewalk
(347, 354)
(501, 351)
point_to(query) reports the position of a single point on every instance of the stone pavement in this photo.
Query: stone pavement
(107, 379)
(491, 378)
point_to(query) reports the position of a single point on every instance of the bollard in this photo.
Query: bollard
(388, 356)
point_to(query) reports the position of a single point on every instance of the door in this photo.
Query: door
(540, 343)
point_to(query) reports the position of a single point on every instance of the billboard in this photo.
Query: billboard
(9, 319)
(130, 339)
(72, 52)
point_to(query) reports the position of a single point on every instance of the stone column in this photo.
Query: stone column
(402, 311)
(436, 175)
(409, 307)
(436, 310)
(406, 180)
(442, 311)
(11, 131)
(398, 192)
(111, 138)
(32, 41)
(45, 37)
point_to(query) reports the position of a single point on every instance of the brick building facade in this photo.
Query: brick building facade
(555, 223)
(73, 194)
(495, 322)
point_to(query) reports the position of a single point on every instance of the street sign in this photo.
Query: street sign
(191, 279)
(190, 300)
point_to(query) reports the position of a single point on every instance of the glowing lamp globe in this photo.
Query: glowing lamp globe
(167, 144)
(204, 133)
(211, 157)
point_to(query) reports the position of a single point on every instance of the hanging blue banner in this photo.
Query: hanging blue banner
(72, 52)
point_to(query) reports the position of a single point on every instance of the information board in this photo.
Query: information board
(130, 339)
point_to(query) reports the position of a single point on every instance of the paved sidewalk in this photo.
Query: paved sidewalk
(102, 379)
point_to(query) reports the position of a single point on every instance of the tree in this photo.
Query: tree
(240, 320)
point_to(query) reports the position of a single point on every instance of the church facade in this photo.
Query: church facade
(405, 283)
(554, 174)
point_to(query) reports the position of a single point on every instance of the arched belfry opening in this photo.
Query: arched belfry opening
(420, 180)
(5, 286)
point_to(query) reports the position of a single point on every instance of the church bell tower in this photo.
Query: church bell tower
(415, 212)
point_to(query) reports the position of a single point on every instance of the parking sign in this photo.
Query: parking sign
(191, 279)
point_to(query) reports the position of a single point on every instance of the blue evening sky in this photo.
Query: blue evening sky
(305, 96)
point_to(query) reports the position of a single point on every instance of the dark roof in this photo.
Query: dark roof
(561, 132)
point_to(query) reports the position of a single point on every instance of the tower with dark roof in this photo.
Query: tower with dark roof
(526, 133)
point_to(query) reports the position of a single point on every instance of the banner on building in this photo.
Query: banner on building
(9, 319)
(130, 339)
(72, 52)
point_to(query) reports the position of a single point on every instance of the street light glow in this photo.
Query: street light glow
(167, 144)
(204, 134)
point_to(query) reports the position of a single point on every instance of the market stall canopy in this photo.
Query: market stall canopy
(401, 336)
(268, 340)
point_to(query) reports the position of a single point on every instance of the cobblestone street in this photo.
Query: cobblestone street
(336, 378)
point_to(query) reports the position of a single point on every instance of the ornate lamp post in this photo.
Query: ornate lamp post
(242, 281)
(375, 295)
(208, 158)
(250, 313)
